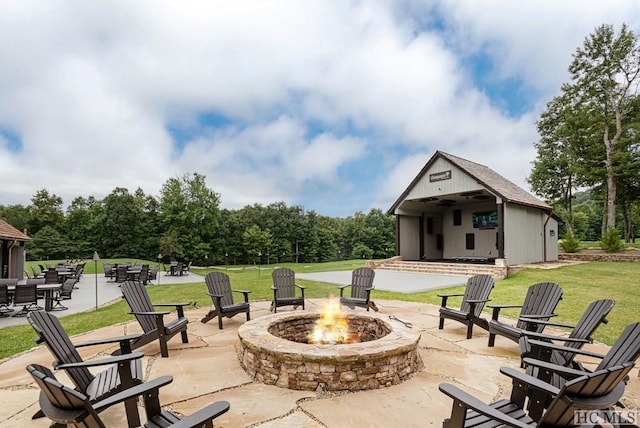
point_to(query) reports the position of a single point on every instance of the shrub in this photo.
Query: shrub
(570, 244)
(610, 241)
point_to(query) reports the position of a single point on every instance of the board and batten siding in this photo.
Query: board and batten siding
(409, 239)
(459, 182)
(523, 231)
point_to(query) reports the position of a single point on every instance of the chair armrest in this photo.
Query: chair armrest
(172, 304)
(565, 348)
(301, 287)
(496, 310)
(198, 418)
(532, 382)
(242, 291)
(134, 391)
(564, 372)
(461, 398)
(504, 306)
(344, 286)
(126, 338)
(549, 323)
(536, 318)
(451, 295)
(478, 301)
(534, 335)
(101, 362)
(150, 313)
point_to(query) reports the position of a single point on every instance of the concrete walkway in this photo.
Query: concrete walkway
(207, 369)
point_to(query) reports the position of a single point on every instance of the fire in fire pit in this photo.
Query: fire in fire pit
(283, 349)
(332, 327)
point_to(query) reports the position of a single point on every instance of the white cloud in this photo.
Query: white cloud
(307, 90)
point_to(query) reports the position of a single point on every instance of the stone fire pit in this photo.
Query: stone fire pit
(270, 351)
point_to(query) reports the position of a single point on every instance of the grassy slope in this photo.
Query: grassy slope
(582, 284)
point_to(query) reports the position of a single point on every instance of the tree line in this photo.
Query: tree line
(185, 222)
(590, 137)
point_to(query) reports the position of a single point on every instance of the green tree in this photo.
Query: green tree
(45, 210)
(604, 75)
(16, 215)
(120, 224)
(256, 242)
(189, 211)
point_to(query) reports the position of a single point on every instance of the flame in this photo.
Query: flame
(332, 327)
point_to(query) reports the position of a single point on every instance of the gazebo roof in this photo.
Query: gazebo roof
(8, 232)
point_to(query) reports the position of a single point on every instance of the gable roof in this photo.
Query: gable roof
(9, 232)
(494, 182)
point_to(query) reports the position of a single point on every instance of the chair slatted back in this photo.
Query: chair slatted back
(593, 316)
(219, 283)
(62, 404)
(121, 272)
(4, 295)
(478, 288)
(541, 299)
(626, 348)
(138, 299)
(602, 388)
(284, 279)
(51, 277)
(153, 273)
(67, 288)
(50, 332)
(25, 294)
(361, 279)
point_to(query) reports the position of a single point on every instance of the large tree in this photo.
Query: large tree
(189, 211)
(604, 75)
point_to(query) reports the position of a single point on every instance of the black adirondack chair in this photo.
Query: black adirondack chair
(595, 314)
(219, 288)
(625, 349)
(594, 392)
(284, 289)
(361, 286)
(539, 303)
(152, 322)
(65, 406)
(124, 372)
(475, 296)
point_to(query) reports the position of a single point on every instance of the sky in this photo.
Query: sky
(332, 105)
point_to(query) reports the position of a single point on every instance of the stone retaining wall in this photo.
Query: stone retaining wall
(626, 256)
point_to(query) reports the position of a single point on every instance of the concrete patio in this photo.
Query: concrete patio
(207, 369)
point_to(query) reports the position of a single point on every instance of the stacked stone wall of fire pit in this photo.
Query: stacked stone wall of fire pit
(269, 353)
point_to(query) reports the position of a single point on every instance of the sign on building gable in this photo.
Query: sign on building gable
(440, 176)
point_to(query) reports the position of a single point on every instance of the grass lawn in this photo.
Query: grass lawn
(581, 283)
